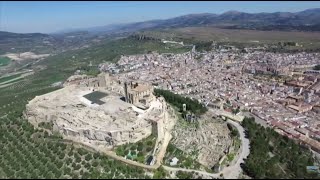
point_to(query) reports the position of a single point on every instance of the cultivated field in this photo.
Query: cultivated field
(206, 33)
(27, 152)
(254, 37)
(4, 61)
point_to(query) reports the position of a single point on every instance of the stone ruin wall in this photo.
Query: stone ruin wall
(38, 114)
(108, 139)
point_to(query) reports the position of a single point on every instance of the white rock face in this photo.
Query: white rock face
(113, 123)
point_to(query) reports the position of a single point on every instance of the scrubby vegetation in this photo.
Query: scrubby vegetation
(184, 175)
(90, 70)
(274, 156)
(139, 151)
(160, 173)
(203, 45)
(185, 161)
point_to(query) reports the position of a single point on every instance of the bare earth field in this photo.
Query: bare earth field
(25, 55)
(307, 39)
(205, 33)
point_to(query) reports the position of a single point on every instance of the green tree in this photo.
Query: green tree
(317, 67)
(88, 157)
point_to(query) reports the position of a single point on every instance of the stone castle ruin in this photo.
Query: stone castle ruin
(99, 111)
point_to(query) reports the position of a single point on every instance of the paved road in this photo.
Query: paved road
(213, 175)
(134, 163)
(238, 118)
(233, 172)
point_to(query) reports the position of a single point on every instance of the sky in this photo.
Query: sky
(52, 16)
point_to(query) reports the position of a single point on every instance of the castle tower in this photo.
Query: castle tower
(193, 52)
(184, 107)
(126, 91)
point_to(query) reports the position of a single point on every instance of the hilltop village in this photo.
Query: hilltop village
(105, 112)
(119, 107)
(280, 90)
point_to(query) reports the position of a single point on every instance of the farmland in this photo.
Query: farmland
(4, 61)
(8, 78)
(35, 153)
(308, 40)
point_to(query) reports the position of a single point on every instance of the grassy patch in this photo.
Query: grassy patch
(230, 157)
(236, 144)
(137, 151)
(224, 162)
(4, 61)
(185, 161)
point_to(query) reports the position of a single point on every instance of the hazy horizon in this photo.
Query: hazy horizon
(50, 17)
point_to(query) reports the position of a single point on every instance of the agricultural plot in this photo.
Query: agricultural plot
(13, 81)
(4, 61)
(31, 153)
(238, 37)
(8, 78)
(35, 153)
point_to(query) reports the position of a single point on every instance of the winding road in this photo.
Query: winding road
(233, 172)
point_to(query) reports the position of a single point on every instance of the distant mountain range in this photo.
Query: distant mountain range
(42, 43)
(308, 20)
(9, 35)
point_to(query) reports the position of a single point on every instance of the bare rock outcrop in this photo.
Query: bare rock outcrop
(113, 123)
